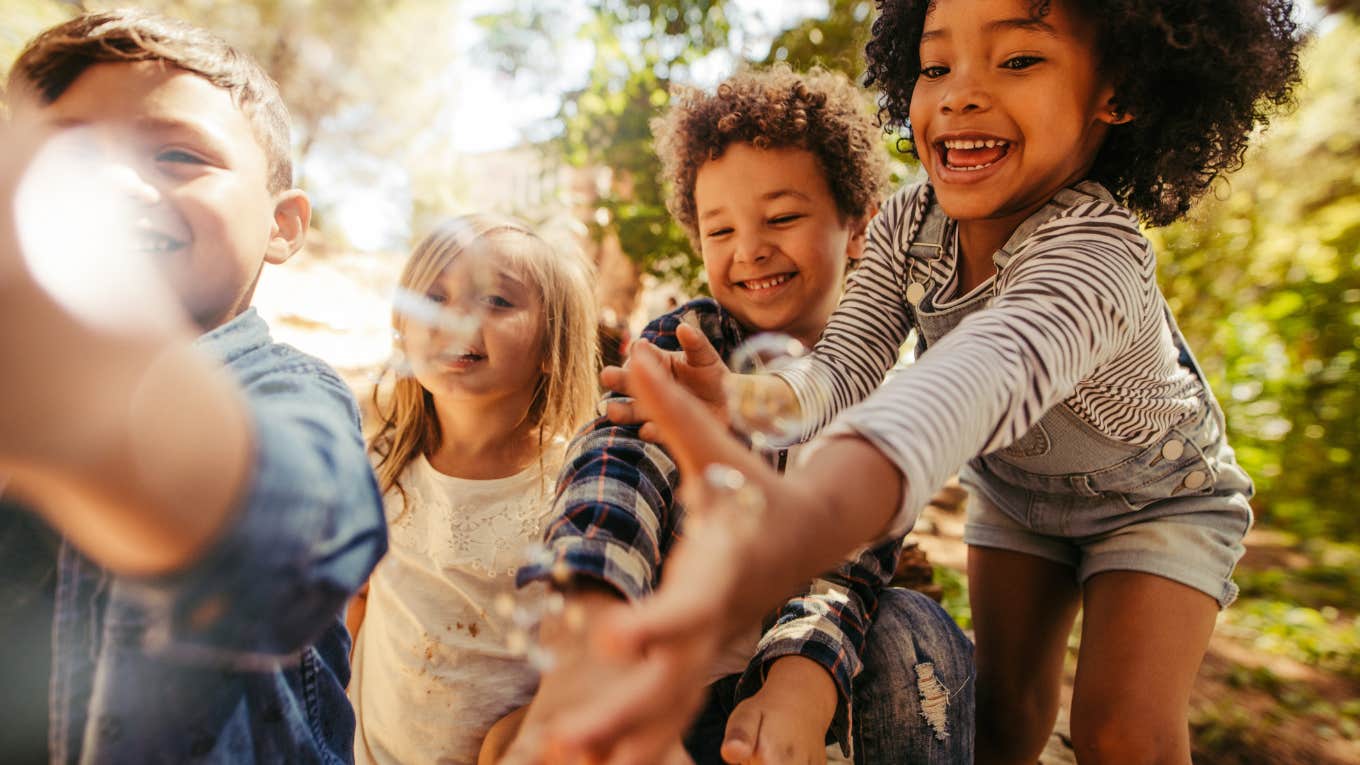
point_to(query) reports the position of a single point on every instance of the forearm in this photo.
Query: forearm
(130, 444)
(796, 677)
(835, 502)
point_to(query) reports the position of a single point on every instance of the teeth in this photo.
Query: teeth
(764, 284)
(964, 143)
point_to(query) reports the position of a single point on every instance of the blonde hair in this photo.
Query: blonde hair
(566, 392)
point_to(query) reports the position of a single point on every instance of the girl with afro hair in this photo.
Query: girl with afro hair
(1049, 367)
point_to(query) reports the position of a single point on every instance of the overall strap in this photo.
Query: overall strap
(1064, 200)
(927, 241)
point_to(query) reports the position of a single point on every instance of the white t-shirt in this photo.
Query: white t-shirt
(432, 670)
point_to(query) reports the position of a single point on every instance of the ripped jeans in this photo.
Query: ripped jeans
(913, 701)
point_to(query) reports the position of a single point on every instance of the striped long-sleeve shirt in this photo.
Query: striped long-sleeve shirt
(617, 517)
(1075, 316)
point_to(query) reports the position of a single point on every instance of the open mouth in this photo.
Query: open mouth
(972, 154)
(461, 359)
(765, 283)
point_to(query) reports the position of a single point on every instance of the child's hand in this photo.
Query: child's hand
(697, 366)
(585, 675)
(786, 721)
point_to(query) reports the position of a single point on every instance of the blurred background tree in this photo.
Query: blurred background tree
(1264, 275)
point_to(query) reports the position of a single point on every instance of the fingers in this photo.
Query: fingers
(743, 731)
(685, 425)
(624, 411)
(614, 379)
(699, 352)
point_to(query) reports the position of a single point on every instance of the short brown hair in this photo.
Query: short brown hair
(774, 108)
(53, 60)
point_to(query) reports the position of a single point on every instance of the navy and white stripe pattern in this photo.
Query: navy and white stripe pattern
(1075, 316)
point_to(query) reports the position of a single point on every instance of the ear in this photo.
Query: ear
(859, 233)
(1110, 112)
(292, 217)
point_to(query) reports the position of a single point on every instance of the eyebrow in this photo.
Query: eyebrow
(768, 197)
(1021, 23)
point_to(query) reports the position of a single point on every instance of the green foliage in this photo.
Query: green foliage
(1331, 578)
(1266, 280)
(642, 47)
(835, 41)
(955, 586)
(1322, 638)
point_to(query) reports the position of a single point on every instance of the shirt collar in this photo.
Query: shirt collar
(243, 334)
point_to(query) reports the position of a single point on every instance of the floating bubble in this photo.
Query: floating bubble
(440, 322)
(727, 488)
(768, 414)
(527, 607)
(92, 234)
(503, 604)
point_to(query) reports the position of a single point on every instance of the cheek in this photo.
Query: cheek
(714, 267)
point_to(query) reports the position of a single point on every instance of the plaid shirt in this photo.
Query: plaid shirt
(617, 517)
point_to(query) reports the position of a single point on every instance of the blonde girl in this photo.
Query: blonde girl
(500, 361)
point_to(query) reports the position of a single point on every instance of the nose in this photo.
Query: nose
(965, 93)
(126, 180)
(751, 247)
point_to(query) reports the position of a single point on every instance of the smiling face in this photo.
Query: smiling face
(500, 355)
(186, 156)
(1008, 109)
(774, 244)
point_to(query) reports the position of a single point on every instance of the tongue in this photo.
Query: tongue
(974, 157)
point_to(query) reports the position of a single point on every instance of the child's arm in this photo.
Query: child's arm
(827, 626)
(580, 670)
(722, 576)
(246, 506)
(786, 721)
(861, 342)
(128, 442)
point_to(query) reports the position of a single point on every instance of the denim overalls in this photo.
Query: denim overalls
(1066, 492)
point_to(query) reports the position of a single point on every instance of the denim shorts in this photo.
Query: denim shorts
(1176, 508)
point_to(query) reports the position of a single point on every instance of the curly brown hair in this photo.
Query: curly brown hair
(774, 108)
(1198, 76)
(53, 60)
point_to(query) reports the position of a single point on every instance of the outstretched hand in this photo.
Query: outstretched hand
(584, 671)
(697, 366)
(707, 594)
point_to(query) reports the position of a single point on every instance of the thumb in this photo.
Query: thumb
(699, 350)
(743, 730)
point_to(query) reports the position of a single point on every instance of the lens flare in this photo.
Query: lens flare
(78, 228)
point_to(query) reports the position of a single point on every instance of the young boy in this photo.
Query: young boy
(215, 504)
(774, 176)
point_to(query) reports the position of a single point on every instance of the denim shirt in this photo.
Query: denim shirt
(243, 656)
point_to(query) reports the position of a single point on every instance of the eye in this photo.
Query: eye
(496, 301)
(719, 232)
(780, 220)
(1017, 63)
(934, 72)
(180, 156)
(438, 298)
